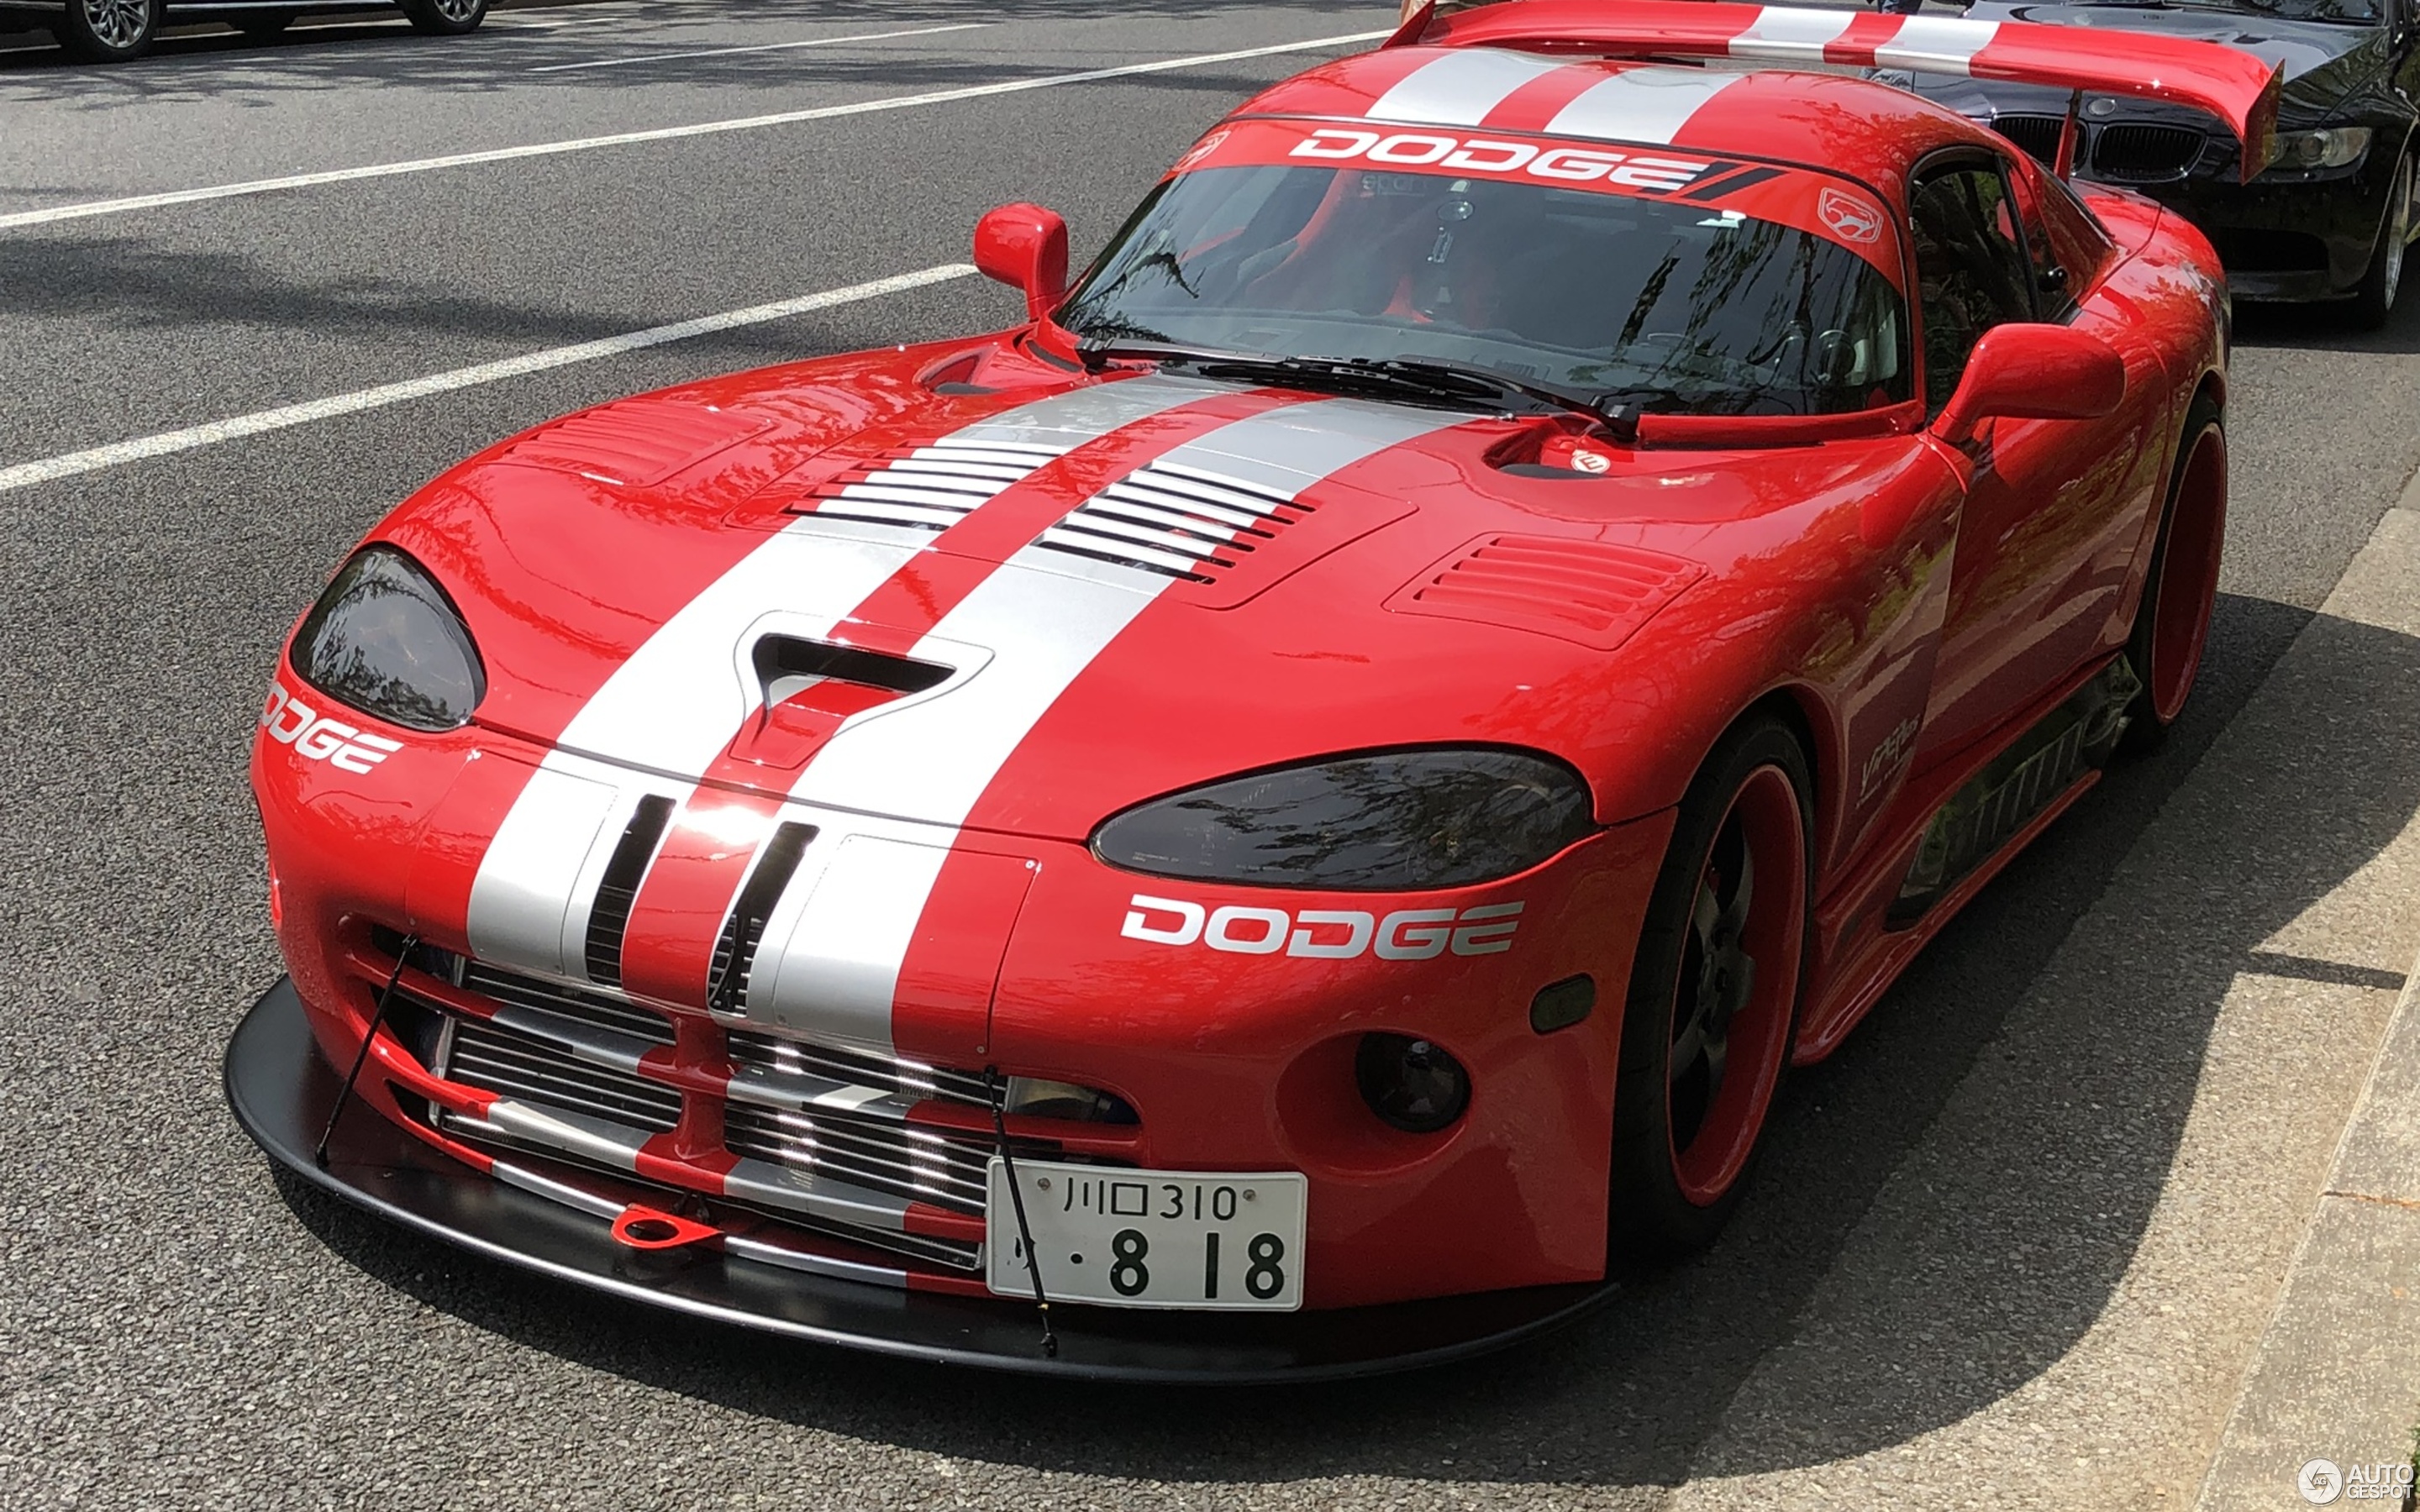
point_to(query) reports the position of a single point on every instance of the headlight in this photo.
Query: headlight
(1391, 821)
(385, 640)
(2338, 147)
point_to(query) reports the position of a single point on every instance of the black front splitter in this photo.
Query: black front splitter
(281, 1090)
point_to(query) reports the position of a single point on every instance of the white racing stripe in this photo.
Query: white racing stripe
(671, 708)
(761, 47)
(1640, 104)
(1461, 88)
(1936, 44)
(56, 213)
(47, 469)
(830, 968)
(1784, 33)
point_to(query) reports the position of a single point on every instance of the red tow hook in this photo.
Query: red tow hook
(644, 1227)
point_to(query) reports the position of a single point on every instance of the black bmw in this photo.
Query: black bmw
(2330, 216)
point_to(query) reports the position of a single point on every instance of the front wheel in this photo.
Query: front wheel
(108, 31)
(2172, 622)
(2374, 300)
(1713, 994)
(445, 18)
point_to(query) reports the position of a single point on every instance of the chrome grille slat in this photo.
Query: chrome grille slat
(907, 1078)
(569, 1002)
(513, 1065)
(946, 1170)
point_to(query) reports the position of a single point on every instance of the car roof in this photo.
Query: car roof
(1833, 121)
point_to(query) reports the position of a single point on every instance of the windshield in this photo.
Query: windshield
(1689, 305)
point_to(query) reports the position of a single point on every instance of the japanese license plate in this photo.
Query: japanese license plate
(1149, 1239)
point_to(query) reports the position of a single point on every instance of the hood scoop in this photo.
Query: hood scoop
(809, 689)
(1174, 520)
(926, 487)
(638, 443)
(1594, 593)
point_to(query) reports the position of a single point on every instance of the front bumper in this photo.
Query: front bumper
(281, 1089)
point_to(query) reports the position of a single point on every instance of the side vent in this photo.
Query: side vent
(1594, 593)
(610, 914)
(638, 443)
(926, 487)
(1174, 520)
(735, 949)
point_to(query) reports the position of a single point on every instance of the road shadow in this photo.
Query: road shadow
(2331, 327)
(1630, 1397)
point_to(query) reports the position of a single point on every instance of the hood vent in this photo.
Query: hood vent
(1594, 593)
(636, 444)
(1176, 521)
(927, 488)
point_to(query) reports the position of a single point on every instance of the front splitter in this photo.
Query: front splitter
(281, 1089)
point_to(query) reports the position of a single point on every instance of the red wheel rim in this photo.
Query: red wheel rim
(2188, 580)
(1730, 1036)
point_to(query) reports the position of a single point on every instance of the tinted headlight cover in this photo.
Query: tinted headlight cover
(1382, 820)
(385, 640)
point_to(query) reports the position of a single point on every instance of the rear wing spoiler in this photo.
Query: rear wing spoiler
(2237, 88)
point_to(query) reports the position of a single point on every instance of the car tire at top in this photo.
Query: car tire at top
(1713, 993)
(445, 18)
(108, 31)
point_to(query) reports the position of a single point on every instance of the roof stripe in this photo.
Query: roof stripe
(1460, 88)
(1640, 104)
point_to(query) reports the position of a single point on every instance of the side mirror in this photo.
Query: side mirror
(1025, 247)
(2031, 372)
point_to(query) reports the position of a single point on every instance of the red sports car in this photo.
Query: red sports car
(1287, 805)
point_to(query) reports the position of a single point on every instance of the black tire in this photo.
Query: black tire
(1655, 1212)
(2156, 708)
(260, 24)
(2373, 302)
(445, 18)
(108, 31)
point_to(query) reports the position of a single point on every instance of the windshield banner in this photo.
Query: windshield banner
(1731, 188)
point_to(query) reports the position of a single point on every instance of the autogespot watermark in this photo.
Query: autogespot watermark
(2324, 1481)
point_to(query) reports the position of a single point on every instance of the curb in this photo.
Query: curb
(2331, 1395)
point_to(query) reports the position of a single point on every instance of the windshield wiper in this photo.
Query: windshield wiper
(1416, 377)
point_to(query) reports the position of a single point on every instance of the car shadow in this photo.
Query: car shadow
(1631, 1396)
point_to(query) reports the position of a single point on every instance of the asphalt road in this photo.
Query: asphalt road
(177, 1328)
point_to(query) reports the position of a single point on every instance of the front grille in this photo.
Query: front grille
(906, 1079)
(921, 1164)
(836, 1142)
(1174, 520)
(2145, 154)
(928, 487)
(2251, 250)
(514, 1064)
(2037, 134)
(592, 1008)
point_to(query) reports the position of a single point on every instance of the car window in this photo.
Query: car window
(1683, 306)
(2054, 282)
(1973, 271)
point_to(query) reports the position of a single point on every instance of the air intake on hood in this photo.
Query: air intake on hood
(1174, 520)
(1595, 592)
(927, 488)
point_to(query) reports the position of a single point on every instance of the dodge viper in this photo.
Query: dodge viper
(1288, 812)
(2329, 215)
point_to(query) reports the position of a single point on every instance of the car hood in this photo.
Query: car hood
(1056, 610)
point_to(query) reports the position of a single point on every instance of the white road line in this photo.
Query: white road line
(761, 47)
(26, 474)
(664, 133)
